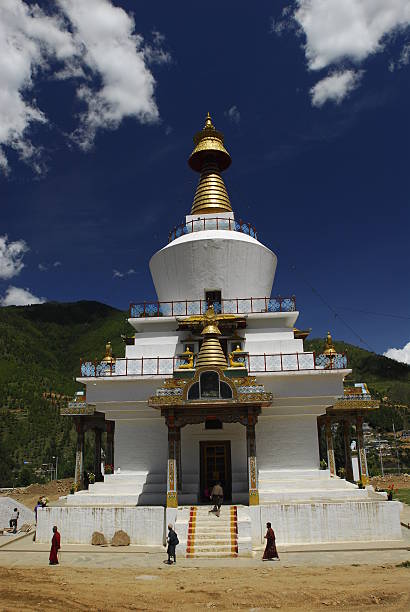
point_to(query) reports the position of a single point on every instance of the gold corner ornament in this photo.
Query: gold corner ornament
(210, 158)
(329, 348)
(108, 358)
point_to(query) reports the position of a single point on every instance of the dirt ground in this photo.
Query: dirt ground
(29, 495)
(400, 481)
(268, 587)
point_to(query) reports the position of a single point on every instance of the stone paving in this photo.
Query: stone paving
(23, 552)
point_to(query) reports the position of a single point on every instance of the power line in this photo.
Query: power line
(335, 313)
(378, 314)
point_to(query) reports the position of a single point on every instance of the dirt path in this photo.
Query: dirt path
(31, 494)
(268, 587)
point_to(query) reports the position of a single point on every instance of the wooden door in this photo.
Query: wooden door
(215, 462)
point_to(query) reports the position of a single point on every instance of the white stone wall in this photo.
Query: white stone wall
(191, 435)
(327, 522)
(271, 341)
(144, 525)
(213, 259)
(287, 442)
(7, 505)
(141, 445)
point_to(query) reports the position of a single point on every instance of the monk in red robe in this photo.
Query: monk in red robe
(55, 547)
(270, 549)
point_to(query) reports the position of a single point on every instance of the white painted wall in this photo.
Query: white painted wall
(287, 442)
(217, 259)
(144, 525)
(349, 521)
(141, 445)
(7, 505)
(269, 341)
(191, 435)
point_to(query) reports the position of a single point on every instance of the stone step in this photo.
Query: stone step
(211, 528)
(310, 496)
(210, 549)
(313, 474)
(211, 555)
(289, 485)
(217, 537)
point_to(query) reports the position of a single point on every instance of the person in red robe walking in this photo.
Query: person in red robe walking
(55, 547)
(270, 549)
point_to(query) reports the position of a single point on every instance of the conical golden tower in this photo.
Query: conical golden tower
(211, 353)
(209, 158)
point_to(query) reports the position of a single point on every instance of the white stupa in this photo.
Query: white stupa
(216, 386)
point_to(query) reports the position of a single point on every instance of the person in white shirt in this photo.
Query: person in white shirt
(14, 518)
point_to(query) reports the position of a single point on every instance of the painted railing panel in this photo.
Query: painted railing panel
(212, 223)
(161, 366)
(197, 307)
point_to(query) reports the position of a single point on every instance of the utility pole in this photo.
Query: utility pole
(381, 458)
(397, 452)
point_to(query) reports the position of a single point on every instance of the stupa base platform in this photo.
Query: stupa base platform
(307, 522)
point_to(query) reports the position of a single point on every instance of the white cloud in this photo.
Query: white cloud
(113, 52)
(79, 40)
(233, 114)
(27, 37)
(352, 29)
(15, 296)
(334, 87)
(118, 274)
(11, 255)
(337, 31)
(45, 267)
(402, 355)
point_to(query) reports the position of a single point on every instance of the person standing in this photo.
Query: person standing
(270, 549)
(13, 521)
(55, 547)
(217, 495)
(173, 541)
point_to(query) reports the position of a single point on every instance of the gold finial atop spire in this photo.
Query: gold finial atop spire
(211, 353)
(209, 158)
(329, 348)
(208, 122)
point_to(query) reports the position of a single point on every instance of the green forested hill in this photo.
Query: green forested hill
(40, 349)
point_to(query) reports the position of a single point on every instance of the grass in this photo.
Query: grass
(402, 495)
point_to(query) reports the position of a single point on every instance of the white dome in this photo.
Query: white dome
(234, 263)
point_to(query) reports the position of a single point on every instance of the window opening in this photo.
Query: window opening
(213, 424)
(209, 385)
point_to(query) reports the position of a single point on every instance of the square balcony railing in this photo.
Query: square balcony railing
(181, 308)
(264, 363)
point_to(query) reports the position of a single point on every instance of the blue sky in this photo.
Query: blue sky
(102, 100)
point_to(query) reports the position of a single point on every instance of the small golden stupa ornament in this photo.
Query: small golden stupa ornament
(329, 348)
(211, 353)
(188, 358)
(210, 158)
(108, 358)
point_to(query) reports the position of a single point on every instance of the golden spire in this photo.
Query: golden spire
(209, 158)
(211, 353)
(329, 348)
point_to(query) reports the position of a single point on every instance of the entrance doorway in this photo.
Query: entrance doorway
(215, 462)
